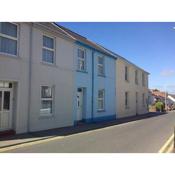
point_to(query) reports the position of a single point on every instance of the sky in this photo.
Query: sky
(151, 46)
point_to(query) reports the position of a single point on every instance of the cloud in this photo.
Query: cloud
(167, 73)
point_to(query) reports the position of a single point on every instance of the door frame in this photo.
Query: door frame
(10, 107)
(83, 103)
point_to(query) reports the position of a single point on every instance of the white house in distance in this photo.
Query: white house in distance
(51, 77)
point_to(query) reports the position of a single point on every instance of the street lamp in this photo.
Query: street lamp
(165, 98)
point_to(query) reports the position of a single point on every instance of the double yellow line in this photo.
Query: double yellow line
(168, 146)
(21, 145)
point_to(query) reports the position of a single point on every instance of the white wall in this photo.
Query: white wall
(60, 76)
(16, 69)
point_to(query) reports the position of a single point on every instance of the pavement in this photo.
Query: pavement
(146, 133)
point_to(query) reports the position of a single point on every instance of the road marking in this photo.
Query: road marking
(29, 144)
(167, 147)
(35, 142)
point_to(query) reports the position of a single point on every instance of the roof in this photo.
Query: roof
(55, 28)
(94, 45)
(85, 41)
(124, 59)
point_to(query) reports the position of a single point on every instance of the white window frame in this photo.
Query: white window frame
(127, 99)
(47, 48)
(12, 38)
(47, 99)
(101, 65)
(81, 59)
(101, 99)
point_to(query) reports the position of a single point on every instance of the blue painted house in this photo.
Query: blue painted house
(95, 81)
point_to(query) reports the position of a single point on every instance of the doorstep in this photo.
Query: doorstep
(7, 133)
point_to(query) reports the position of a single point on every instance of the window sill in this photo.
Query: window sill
(82, 71)
(48, 64)
(102, 110)
(9, 55)
(127, 81)
(46, 116)
(102, 75)
(127, 107)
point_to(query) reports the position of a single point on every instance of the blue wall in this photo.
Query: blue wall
(93, 82)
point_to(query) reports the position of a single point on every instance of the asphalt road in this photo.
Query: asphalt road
(142, 136)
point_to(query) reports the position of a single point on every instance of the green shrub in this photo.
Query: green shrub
(159, 106)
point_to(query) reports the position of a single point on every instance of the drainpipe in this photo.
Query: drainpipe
(30, 78)
(92, 114)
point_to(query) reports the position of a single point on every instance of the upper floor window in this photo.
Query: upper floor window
(126, 73)
(101, 100)
(143, 79)
(136, 77)
(48, 49)
(8, 38)
(81, 59)
(101, 67)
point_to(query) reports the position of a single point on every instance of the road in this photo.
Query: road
(141, 136)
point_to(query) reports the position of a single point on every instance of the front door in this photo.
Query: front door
(79, 104)
(5, 109)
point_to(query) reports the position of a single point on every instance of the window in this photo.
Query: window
(8, 38)
(126, 73)
(136, 77)
(48, 49)
(126, 99)
(143, 99)
(101, 100)
(46, 100)
(4, 84)
(81, 59)
(143, 79)
(101, 66)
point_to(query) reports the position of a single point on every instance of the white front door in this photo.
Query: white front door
(79, 104)
(5, 109)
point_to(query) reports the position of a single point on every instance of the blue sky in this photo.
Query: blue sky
(151, 46)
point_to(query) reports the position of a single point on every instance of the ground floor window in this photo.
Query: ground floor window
(126, 99)
(143, 100)
(46, 100)
(101, 100)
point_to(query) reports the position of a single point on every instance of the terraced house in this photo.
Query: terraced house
(51, 77)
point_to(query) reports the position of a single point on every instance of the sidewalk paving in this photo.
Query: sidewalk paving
(42, 135)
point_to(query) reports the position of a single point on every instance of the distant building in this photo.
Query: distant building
(155, 95)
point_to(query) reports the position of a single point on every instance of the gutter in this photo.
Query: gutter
(30, 78)
(92, 111)
(92, 48)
